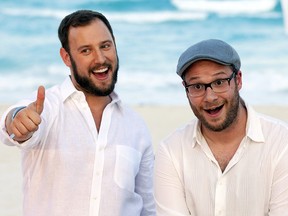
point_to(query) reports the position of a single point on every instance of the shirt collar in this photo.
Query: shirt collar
(253, 128)
(197, 135)
(67, 89)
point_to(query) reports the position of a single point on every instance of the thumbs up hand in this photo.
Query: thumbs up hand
(38, 105)
(27, 120)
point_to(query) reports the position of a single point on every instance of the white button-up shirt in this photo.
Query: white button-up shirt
(189, 181)
(70, 169)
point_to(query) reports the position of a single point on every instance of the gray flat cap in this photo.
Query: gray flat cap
(213, 50)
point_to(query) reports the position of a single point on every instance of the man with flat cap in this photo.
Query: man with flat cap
(230, 160)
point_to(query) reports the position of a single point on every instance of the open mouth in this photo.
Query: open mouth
(214, 111)
(101, 70)
(101, 73)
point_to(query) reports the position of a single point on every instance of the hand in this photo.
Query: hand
(27, 120)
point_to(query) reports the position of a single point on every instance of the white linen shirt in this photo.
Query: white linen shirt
(70, 169)
(189, 181)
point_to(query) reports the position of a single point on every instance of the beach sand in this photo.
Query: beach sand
(161, 120)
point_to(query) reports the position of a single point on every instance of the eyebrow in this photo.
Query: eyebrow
(214, 75)
(87, 46)
(82, 47)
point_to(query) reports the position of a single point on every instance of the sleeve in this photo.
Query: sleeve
(169, 190)
(144, 182)
(279, 191)
(4, 137)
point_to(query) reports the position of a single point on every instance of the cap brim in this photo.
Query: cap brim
(193, 60)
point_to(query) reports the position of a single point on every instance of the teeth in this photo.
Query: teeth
(213, 109)
(101, 70)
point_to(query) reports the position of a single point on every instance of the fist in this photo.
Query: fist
(27, 120)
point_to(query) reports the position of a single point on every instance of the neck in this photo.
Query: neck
(97, 105)
(225, 143)
(97, 102)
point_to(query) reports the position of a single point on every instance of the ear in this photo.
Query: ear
(65, 57)
(239, 80)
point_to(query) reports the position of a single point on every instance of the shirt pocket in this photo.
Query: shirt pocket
(126, 167)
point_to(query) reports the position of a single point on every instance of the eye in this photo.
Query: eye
(86, 51)
(219, 82)
(106, 46)
(197, 87)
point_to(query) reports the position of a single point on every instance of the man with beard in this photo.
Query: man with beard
(83, 152)
(230, 160)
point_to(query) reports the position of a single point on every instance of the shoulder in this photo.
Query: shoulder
(132, 122)
(275, 135)
(273, 126)
(258, 121)
(181, 136)
(131, 114)
(53, 99)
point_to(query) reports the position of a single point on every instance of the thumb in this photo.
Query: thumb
(40, 99)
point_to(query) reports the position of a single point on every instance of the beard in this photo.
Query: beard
(88, 86)
(231, 115)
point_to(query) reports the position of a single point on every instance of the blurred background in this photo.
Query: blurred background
(150, 36)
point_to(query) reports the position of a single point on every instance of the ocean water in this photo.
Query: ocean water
(150, 36)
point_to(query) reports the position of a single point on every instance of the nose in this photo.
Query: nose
(210, 95)
(99, 57)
